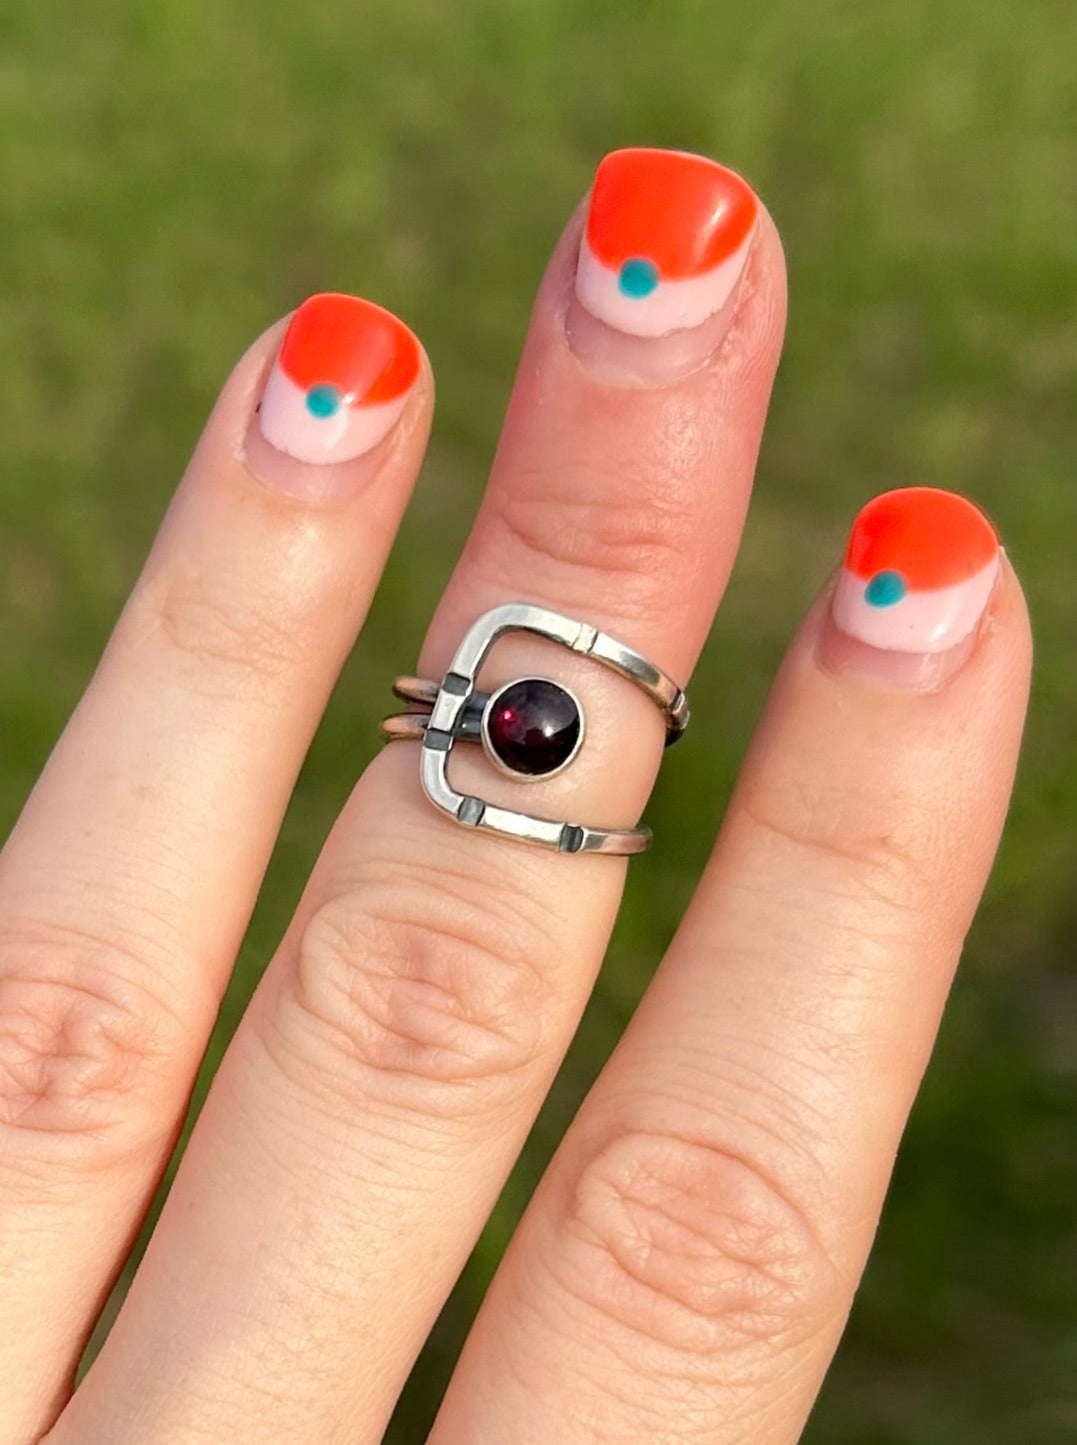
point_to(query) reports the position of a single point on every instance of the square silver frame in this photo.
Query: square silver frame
(457, 687)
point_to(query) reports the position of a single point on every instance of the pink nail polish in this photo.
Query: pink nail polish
(666, 241)
(918, 573)
(341, 381)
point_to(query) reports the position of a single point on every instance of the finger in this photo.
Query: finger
(388, 1070)
(685, 1269)
(127, 884)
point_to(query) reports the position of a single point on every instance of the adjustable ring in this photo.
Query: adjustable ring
(530, 728)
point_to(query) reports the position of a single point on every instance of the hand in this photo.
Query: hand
(685, 1268)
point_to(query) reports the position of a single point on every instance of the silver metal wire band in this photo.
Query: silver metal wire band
(453, 710)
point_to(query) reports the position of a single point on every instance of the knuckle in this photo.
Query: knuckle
(689, 1247)
(887, 849)
(412, 987)
(587, 536)
(83, 1051)
(243, 637)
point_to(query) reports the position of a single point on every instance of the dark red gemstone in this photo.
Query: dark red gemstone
(533, 726)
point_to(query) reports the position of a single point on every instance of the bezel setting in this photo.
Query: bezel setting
(489, 748)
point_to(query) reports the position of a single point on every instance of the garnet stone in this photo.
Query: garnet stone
(533, 726)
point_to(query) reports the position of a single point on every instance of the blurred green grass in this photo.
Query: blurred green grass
(175, 176)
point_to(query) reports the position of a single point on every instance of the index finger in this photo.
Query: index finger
(128, 881)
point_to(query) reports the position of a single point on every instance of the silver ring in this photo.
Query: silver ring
(455, 710)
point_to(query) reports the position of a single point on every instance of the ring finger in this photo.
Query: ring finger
(685, 1269)
(387, 1072)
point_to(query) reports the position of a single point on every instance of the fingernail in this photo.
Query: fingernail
(666, 241)
(341, 380)
(919, 570)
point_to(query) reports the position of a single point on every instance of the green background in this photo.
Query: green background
(175, 175)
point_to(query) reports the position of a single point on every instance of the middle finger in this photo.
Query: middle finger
(402, 1041)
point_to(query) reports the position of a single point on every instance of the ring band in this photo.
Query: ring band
(531, 727)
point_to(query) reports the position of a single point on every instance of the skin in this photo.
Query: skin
(685, 1268)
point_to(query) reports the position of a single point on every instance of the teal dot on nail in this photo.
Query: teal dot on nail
(638, 277)
(884, 589)
(323, 400)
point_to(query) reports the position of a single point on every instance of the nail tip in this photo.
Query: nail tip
(665, 242)
(919, 569)
(340, 381)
